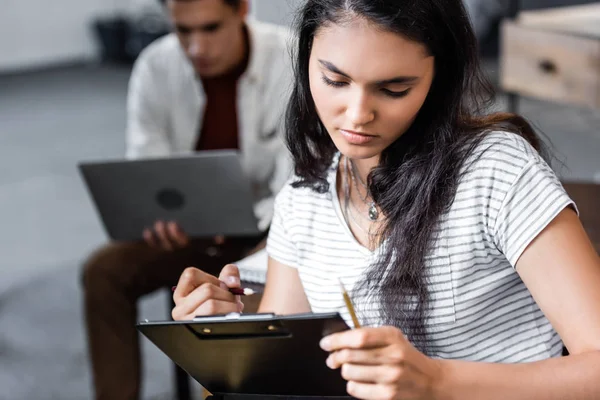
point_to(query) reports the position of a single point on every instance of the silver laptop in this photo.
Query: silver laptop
(206, 193)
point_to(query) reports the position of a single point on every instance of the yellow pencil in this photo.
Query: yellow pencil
(349, 305)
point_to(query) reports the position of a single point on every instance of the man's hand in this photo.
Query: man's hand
(166, 235)
(199, 293)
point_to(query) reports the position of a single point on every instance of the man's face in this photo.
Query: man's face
(210, 32)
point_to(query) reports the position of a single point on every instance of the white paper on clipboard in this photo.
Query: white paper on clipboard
(253, 268)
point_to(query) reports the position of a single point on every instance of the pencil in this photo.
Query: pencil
(349, 305)
(236, 291)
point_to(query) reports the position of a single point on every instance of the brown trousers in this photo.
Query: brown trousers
(114, 278)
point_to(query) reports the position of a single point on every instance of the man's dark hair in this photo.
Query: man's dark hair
(232, 3)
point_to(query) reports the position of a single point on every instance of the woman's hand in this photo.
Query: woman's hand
(201, 294)
(380, 363)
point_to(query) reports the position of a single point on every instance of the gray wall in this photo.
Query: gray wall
(40, 32)
(36, 33)
(275, 11)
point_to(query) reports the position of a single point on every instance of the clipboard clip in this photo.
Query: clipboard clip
(238, 326)
(234, 317)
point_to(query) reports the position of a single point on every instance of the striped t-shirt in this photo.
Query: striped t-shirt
(480, 308)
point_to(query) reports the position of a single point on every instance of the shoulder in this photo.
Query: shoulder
(503, 173)
(501, 155)
(504, 147)
(271, 45)
(301, 201)
(160, 55)
(271, 36)
(291, 195)
(499, 164)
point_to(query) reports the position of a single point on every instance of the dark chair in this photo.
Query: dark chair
(183, 390)
(587, 198)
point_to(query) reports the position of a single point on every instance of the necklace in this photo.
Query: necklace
(373, 212)
(353, 174)
(363, 183)
(348, 214)
(362, 216)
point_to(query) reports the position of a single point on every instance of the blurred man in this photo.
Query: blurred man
(219, 81)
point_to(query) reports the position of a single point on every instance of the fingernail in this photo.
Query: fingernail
(241, 306)
(329, 362)
(223, 285)
(325, 343)
(233, 280)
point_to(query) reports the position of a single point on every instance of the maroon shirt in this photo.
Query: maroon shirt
(220, 128)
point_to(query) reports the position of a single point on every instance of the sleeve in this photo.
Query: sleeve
(281, 173)
(280, 245)
(275, 121)
(533, 200)
(147, 128)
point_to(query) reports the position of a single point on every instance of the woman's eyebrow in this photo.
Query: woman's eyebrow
(399, 79)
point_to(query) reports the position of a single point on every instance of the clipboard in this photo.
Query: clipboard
(253, 354)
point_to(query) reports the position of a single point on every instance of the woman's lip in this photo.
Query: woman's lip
(356, 137)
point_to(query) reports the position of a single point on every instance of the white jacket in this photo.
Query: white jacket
(166, 105)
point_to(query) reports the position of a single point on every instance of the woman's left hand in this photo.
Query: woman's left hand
(380, 363)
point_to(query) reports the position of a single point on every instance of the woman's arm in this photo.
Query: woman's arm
(284, 293)
(562, 271)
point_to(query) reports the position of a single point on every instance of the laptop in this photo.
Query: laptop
(206, 193)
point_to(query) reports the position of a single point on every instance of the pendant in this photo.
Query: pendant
(373, 213)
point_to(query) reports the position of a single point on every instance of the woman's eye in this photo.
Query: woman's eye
(387, 92)
(330, 82)
(394, 94)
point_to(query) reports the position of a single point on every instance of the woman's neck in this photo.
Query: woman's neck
(364, 166)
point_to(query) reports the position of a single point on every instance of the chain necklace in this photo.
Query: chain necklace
(363, 183)
(373, 212)
(362, 216)
(348, 214)
(353, 174)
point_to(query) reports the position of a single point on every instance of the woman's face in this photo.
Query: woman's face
(368, 85)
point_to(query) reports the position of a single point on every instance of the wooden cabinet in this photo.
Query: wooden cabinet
(554, 55)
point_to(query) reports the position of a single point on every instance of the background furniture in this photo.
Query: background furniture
(587, 198)
(552, 54)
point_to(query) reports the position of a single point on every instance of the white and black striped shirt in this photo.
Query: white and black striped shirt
(480, 308)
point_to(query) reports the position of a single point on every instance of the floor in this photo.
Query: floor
(50, 121)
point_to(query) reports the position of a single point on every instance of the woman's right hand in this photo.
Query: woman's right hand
(200, 294)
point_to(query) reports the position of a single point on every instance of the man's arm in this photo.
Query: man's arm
(147, 116)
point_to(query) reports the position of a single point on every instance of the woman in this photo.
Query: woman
(466, 258)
